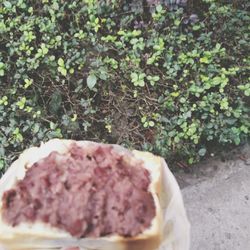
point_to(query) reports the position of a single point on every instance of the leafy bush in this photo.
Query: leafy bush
(128, 72)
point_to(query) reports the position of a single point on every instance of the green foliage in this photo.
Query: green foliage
(88, 70)
(138, 79)
(91, 81)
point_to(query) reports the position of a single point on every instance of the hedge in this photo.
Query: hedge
(145, 74)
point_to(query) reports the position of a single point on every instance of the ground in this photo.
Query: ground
(217, 198)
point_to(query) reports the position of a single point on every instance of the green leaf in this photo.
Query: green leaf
(28, 82)
(2, 27)
(175, 94)
(204, 60)
(202, 152)
(58, 38)
(141, 76)
(55, 6)
(151, 60)
(55, 102)
(21, 103)
(7, 4)
(52, 58)
(182, 100)
(36, 128)
(73, 119)
(216, 80)
(190, 160)
(60, 62)
(134, 77)
(172, 133)
(196, 27)
(156, 78)
(63, 71)
(177, 22)
(1, 164)
(91, 81)
(151, 123)
(143, 119)
(244, 129)
(141, 83)
(159, 8)
(247, 92)
(30, 9)
(52, 125)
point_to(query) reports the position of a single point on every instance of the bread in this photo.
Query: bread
(39, 235)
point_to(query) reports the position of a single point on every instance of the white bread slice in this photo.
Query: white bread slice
(42, 236)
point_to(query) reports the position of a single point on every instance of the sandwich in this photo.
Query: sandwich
(90, 195)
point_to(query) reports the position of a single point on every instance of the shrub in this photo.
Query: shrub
(173, 82)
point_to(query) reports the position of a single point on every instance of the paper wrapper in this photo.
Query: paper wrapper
(176, 225)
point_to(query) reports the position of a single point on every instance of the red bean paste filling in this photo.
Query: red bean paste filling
(88, 194)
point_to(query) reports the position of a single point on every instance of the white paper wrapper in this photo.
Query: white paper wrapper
(176, 224)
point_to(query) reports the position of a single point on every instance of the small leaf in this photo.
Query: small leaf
(141, 83)
(141, 76)
(182, 100)
(1, 164)
(196, 27)
(55, 102)
(27, 83)
(190, 160)
(60, 62)
(151, 60)
(36, 128)
(172, 133)
(58, 38)
(52, 58)
(7, 4)
(73, 119)
(63, 71)
(159, 8)
(247, 92)
(134, 76)
(177, 22)
(204, 60)
(218, 46)
(202, 152)
(52, 125)
(175, 94)
(151, 123)
(216, 80)
(156, 78)
(91, 81)
(30, 9)
(143, 119)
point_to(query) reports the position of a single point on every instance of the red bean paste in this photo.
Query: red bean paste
(88, 193)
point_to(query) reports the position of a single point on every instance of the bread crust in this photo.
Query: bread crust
(42, 236)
